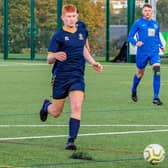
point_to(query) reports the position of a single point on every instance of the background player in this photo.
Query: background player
(148, 44)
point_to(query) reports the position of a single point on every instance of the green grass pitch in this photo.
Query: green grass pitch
(114, 130)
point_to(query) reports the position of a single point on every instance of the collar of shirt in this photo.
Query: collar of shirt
(69, 30)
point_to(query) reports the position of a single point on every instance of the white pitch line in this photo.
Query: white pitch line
(45, 63)
(88, 134)
(87, 125)
(21, 64)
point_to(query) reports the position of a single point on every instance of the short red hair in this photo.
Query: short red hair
(69, 8)
(147, 5)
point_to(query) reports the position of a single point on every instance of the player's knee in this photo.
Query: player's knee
(56, 114)
(140, 74)
(156, 70)
(76, 108)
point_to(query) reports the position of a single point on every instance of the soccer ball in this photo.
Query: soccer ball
(154, 153)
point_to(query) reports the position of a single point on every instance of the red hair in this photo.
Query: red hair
(69, 8)
(147, 5)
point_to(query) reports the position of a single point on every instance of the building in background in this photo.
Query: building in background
(118, 4)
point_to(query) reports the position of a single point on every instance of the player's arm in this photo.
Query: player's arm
(53, 50)
(131, 35)
(53, 56)
(96, 65)
(161, 46)
(87, 44)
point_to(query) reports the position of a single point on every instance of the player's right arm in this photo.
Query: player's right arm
(131, 35)
(54, 52)
(53, 56)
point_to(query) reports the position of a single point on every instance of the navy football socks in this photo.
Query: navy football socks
(74, 126)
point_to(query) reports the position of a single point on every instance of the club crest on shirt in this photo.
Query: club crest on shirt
(66, 38)
(155, 26)
(144, 25)
(80, 36)
(151, 32)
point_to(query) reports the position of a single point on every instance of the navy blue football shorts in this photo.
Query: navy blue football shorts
(62, 87)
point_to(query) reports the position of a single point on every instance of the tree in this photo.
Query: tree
(1, 27)
(45, 20)
(93, 14)
(162, 15)
(19, 24)
(19, 17)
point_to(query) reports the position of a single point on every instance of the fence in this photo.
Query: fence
(26, 26)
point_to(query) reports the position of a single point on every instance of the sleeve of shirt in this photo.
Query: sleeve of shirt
(54, 44)
(83, 26)
(160, 44)
(158, 36)
(132, 33)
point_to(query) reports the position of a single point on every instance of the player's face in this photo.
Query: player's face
(147, 13)
(70, 19)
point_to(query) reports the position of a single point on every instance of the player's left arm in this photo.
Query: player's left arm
(96, 65)
(163, 48)
(87, 44)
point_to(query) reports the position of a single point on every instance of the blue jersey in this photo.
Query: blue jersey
(146, 31)
(72, 44)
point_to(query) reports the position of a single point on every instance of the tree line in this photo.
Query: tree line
(93, 14)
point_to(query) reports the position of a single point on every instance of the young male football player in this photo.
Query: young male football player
(67, 53)
(148, 43)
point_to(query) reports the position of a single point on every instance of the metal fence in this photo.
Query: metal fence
(27, 25)
(26, 31)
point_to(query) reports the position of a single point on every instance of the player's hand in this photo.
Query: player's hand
(97, 66)
(139, 43)
(60, 56)
(163, 49)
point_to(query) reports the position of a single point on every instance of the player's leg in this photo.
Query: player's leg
(44, 111)
(156, 83)
(136, 80)
(59, 93)
(56, 108)
(76, 100)
(53, 108)
(155, 62)
(141, 62)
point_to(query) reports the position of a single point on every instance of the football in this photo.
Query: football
(154, 153)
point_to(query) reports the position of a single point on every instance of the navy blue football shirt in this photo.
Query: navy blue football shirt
(72, 44)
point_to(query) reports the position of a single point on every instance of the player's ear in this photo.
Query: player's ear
(62, 17)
